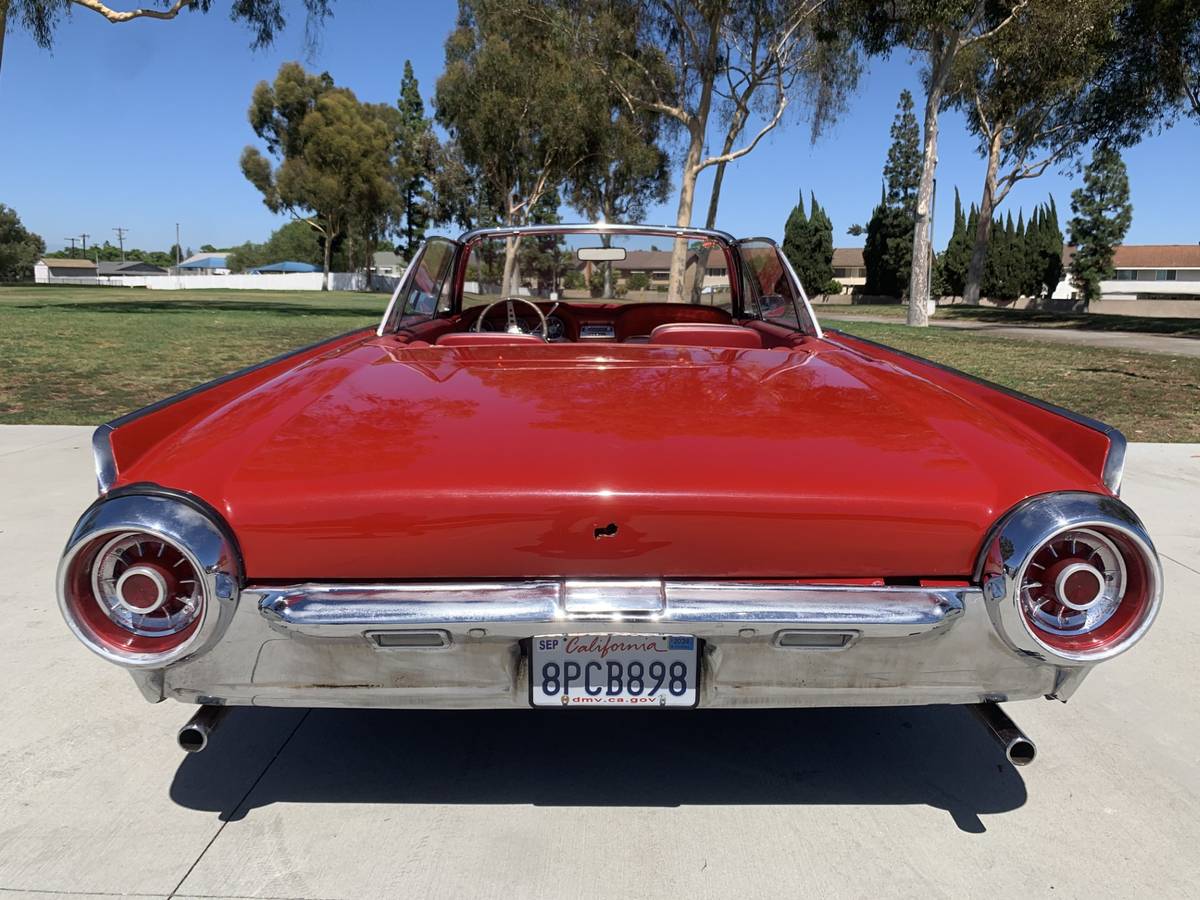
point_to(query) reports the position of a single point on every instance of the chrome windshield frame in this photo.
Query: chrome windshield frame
(468, 239)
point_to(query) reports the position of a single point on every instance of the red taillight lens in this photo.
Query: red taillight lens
(1084, 590)
(135, 592)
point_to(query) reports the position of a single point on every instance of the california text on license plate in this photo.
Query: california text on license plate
(613, 670)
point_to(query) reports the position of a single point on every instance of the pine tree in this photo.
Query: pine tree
(902, 171)
(1102, 214)
(888, 250)
(417, 151)
(957, 257)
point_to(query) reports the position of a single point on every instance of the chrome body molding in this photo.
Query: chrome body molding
(1020, 534)
(463, 645)
(196, 532)
(1114, 461)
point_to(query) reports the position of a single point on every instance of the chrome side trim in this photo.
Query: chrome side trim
(106, 468)
(1024, 530)
(201, 538)
(506, 608)
(812, 316)
(1114, 461)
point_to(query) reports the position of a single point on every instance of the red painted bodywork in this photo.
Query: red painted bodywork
(811, 458)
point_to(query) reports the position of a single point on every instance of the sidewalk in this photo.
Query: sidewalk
(1117, 340)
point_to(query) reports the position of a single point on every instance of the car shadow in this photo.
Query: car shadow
(938, 756)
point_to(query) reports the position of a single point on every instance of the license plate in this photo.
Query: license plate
(613, 670)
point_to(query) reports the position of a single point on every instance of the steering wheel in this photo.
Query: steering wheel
(514, 327)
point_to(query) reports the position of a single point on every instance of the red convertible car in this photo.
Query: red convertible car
(608, 466)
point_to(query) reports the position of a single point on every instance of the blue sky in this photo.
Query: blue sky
(140, 125)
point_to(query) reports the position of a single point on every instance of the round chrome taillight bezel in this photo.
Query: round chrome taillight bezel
(1008, 567)
(198, 542)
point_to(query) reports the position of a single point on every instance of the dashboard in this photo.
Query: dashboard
(596, 321)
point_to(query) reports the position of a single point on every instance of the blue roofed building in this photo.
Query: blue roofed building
(203, 264)
(287, 265)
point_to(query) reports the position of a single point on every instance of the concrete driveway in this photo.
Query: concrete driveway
(95, 799)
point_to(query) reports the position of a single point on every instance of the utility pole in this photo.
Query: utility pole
(121, 232)
(85, 236)
(72, 240)
(178, 248)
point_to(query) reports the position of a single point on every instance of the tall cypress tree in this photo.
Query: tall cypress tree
(795, 239)
(1052, 249)
(958, 252)
(1032, 284)
(820, 231)
(1020, 258)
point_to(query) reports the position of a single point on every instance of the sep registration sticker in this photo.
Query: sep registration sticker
(654, 670)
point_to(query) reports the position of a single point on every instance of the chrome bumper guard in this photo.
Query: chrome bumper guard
(525, 609)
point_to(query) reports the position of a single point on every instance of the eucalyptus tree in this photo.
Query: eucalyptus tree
(696, 61)
(1024, 92)
(264, 18)
(625, 169)
(333, 154)
(937, 31)
(511, 100)
(1149, 74)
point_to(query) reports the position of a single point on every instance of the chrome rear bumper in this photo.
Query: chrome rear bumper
(441, 645)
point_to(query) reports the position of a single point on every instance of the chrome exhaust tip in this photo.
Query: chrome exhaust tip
(1018, 748)
(193, 737)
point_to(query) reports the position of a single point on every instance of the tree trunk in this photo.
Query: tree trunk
(735, 128)
(369, 260)
(328, 256)
(511, 245)
(683, 218)
(941, 58)
(983, 228)
(510, 265)
(606, 241)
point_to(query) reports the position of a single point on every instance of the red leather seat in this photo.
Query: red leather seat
(703, 334)
(485, 339)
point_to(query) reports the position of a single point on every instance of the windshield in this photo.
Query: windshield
(608, 268)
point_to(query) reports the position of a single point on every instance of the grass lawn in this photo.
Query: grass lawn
(1149, 396)
(86, 355)
(83, 355)
(990, 315)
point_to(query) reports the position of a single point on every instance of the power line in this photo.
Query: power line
(121, 232)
